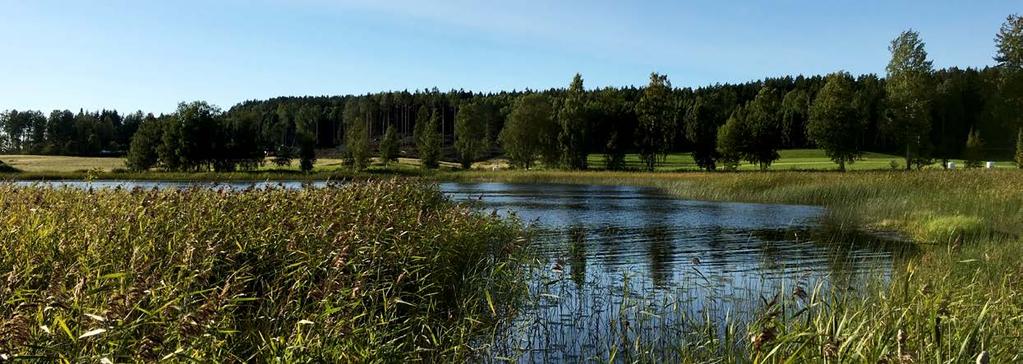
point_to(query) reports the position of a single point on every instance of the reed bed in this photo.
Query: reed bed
(380, 271)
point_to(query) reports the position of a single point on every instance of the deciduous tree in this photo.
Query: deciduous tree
(471, 141)
(909, 88)
(835, 124)
(575, 126)
(654, 131)
(528, 125)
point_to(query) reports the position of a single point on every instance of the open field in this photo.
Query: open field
(380, 271)
(49, 163)
(794, 159)
(791, 159)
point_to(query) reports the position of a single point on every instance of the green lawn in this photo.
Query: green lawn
(798, 159)
(792, 159)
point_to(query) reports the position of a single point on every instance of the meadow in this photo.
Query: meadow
(51, 167)
(377, 271)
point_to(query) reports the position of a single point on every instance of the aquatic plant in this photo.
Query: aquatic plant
(370, 271)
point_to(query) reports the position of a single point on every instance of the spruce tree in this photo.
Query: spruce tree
(389, 146)
(429, 142)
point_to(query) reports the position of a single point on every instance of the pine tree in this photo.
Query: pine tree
(356, 135)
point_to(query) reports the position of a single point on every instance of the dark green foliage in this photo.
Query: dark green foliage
(701, 128)
(764, 128)
(306, 152)
(835, 123)
(142, 154)
(356, 135)
(1010, 43)
(190, 136)
(909, 88)
(656, 121)
(283, 155)
(614, 123)
(389, 146)
(732, 139)
(795, 114)
(575, 125)
(973, 154)
(6, 168)
(471, 140)
(429, 142)
(528, 129)
(305, 130)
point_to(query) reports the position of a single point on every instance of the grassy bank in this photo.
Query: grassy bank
(959, 298)
(376, 271)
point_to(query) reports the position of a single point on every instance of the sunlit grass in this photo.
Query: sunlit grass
(375, 271)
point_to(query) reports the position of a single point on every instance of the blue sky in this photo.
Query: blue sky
(150, 55)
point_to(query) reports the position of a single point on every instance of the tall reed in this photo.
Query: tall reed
(375, 271)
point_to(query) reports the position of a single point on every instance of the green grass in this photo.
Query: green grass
(385, 271)
(791, 159)
(35, 167)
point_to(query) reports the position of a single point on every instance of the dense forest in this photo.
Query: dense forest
(914, 110)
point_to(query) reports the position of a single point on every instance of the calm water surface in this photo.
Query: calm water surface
(622, 263)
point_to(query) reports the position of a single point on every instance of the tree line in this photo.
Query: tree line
(914, 110)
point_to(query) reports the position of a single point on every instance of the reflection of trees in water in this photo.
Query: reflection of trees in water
(611, 243)
(660, 250)
(660, 241)
(770, 256)
(577, 253)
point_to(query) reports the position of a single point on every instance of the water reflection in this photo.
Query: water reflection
(640, 265)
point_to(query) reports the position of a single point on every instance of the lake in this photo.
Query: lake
(619, 263)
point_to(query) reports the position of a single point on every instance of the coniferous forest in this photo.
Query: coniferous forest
(913, 110)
